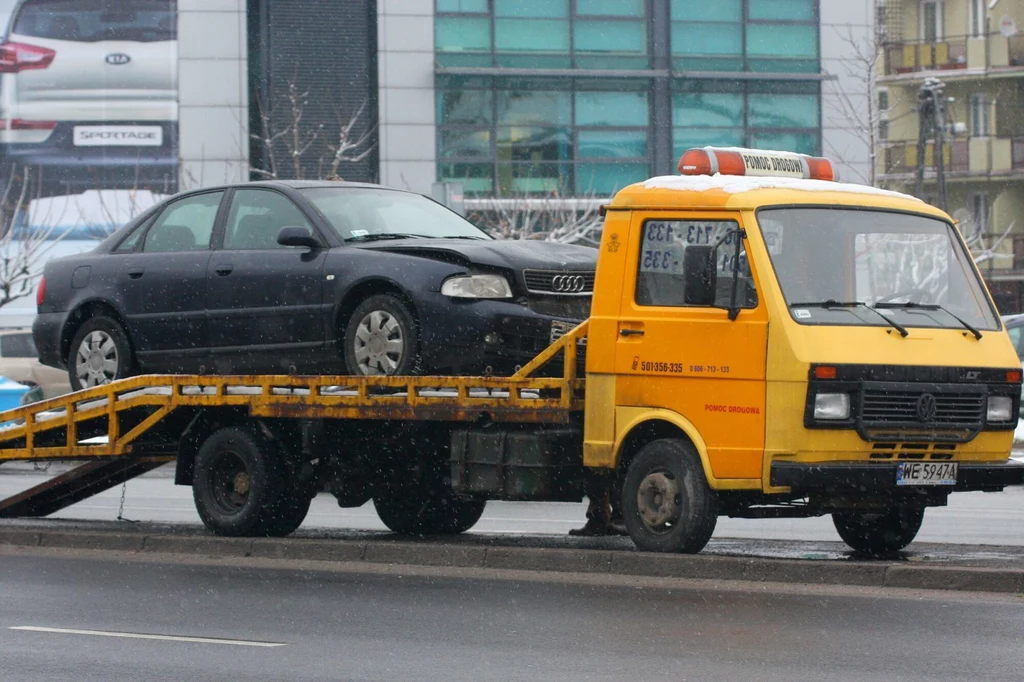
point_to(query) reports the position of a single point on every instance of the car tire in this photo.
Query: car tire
(381, 338)
(240, 486)
(879, 532)
(667, 504)
(99, 353)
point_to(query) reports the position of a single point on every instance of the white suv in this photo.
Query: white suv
(89, 93)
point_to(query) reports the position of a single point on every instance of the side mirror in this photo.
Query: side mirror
(700, 284)
(297, 236)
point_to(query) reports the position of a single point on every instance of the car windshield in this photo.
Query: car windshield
(835, 264)
(367, 214)
(90, 21)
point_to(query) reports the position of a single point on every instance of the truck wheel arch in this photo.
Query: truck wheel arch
(657, 424)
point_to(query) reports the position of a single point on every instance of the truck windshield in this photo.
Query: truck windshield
(847, 266)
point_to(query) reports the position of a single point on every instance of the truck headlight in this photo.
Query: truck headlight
(999, 408)
(477, 286)
(832, 406)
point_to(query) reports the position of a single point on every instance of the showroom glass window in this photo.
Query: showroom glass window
(513, 136)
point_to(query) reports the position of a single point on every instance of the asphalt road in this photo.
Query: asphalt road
(385, 626)
(970, 518)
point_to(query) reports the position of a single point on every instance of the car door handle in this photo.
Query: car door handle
(631, 332)
(135, 273)
(224, 270)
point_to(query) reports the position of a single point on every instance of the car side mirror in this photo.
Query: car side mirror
(297, 236)
(700, 276)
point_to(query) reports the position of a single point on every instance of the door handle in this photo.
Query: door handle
(224, 270)
(135, 273)
(631, 332)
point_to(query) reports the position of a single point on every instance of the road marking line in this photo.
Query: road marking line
(136, 635)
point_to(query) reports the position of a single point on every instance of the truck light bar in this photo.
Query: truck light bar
(732, 161)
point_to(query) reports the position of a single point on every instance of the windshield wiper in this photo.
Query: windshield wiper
(832, 303)
(482, 239)
(911, 305)
(381, 237)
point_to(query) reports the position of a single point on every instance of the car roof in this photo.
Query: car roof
(299, 184)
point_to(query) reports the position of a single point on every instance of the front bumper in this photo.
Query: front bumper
(881, 477)
(454, 334)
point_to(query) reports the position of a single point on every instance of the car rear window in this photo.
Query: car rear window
(90, 21)
(17, 346)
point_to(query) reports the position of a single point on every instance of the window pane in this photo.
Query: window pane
(706, 39)
(795, 10)
(532, 8)
(783, 111)
(543, 108)
(531, 35)
(534, 178)
(478, 6)
(465, 144)
(455, 34)
(534, 144)
(780, 40)
(464, 106)
(611, 109)
(608, 178)
(707, 10)
(687, 138)
(185, 225)
(707, 109)
(611, 144)
(476, 178)
(802, 143)
(256, 218)
(610, 8)
(610, 36)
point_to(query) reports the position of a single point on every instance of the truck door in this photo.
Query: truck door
(692, 359)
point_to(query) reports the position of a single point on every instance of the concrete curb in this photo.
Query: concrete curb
(880, 573)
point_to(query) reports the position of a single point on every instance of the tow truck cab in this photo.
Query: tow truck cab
(823, 346)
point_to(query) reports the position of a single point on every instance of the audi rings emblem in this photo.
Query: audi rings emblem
(568, 284)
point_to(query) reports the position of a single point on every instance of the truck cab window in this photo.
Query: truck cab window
(661, 272)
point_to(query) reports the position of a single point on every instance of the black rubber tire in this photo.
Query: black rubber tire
(409, 513)
(268, 506)
(879, 532)
(690, 528)
(397, 309)
(292, 510)
(102, 323)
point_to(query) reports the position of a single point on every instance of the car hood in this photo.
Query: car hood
(508, 254)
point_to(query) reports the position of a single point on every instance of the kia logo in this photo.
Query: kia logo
(117, 58)
(926, 407)
(568, 284)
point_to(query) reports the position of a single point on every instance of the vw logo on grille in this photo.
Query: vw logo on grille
(117, 58)
(926, 407)
(568, 284)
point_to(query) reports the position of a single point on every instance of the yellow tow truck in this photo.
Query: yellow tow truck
(764, 341)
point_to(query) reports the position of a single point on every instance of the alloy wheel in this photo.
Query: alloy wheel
(96, 362)
(379, 344)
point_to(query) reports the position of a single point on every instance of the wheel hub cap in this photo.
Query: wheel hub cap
(96, 360)
(379, 343)
(659, 501)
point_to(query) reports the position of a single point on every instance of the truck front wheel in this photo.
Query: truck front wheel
(879, 532)
(667, 503)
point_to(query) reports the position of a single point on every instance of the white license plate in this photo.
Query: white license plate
(926, 473)
(118, 136)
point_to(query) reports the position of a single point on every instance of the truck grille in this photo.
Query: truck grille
(559, 282)
(923, 407)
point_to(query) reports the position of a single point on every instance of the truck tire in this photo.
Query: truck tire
(409, 513)
(667, 504)
(241, 488)
(879, 532)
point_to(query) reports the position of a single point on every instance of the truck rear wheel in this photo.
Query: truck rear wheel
(242, 488)
(879, 532)
(667, 503)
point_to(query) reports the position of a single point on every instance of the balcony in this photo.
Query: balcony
(981, 156)
(994, 51)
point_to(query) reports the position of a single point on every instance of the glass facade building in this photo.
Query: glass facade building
(587, 96)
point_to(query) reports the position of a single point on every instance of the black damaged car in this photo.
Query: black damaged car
(308, 278)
